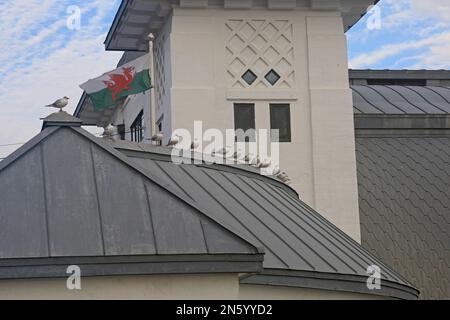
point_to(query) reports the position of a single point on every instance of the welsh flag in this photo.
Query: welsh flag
(108, 89)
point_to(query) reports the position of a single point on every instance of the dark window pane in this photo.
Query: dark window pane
(244, 120)
(397, 82)
(280, 118)
(121, 131)
(272, 77)
(159, 124)
(136, 129)
(249, 77)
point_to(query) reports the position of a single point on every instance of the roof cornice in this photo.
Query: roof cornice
(136, 19)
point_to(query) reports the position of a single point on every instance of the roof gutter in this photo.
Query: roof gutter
(56, 267)
(402, 124)
(330, 281)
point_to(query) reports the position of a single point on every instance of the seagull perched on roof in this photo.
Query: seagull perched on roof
(176, 139)
(59, 104)
(158, 137)
(109, 132)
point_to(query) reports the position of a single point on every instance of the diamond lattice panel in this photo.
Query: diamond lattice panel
(160, 76)
(260, 45)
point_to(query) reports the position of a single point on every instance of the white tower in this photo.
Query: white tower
(277, 62)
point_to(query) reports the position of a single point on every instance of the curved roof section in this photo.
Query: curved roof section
(301, 247)
(140, 210)
(383, 99)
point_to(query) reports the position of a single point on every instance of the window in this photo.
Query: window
(272, 77)
(137, 133)
(121, 131)
(159, 124)
(244, 119)
(249, 76)
(280, 118)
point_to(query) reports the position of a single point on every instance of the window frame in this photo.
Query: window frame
(236, 107)
(121, 131)
(159, 124)
(136, 128)
(272, 108)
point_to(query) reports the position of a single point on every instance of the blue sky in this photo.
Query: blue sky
(42, 59)
(413, 34)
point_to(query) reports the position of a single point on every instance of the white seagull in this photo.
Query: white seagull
(59, 104)
(158, 137)
(176, 139)
(109, 132)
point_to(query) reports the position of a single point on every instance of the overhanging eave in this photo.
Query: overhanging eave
(137, 19)
(91, 117)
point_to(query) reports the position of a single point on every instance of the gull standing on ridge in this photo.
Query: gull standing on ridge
(59, 104)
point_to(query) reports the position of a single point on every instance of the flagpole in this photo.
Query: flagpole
(152, 92)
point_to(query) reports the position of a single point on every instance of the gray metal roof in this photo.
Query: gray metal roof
(65, 195)
(404, 198)
(380, 99)
(269, 214)
(70, 197)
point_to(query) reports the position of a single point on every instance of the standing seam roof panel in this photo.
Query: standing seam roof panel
(273, 243)
(349, 246)
(199, 194)
(304, 230)
(217, 189)
(435, 101)
(43, 214)
(394, 99)
(377, 100)
(397, 100)
(293, 241)
(415, 100)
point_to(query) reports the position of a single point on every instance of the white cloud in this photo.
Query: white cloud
(424, 26)
(45, 61)
(439, 9)
(436, 55)
(414, 11)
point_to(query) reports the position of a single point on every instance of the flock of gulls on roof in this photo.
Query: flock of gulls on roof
(239, 157)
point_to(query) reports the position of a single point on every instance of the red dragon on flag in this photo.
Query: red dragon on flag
(128, 79)
(120, 82)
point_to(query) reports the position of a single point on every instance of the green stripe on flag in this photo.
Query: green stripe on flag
(103, 99)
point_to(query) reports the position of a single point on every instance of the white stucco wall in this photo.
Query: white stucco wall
(162, 287)
(162, 61)
(204, 84)
(217, 286)
(134, 105)
(259, 292)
